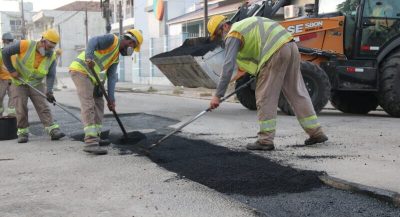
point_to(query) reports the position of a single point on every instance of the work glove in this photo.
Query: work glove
(50, 97)
(111, 106)
(90, 63)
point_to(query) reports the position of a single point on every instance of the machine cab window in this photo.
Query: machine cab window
(380, 23)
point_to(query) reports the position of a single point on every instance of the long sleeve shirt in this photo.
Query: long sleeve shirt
(101, 43)
(16, 49)
(232, 47)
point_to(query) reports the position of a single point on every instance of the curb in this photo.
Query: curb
(381, 194)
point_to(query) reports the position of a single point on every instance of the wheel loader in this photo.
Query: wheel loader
(350, 51)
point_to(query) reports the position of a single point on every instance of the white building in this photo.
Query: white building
(139, 14)
(11, 20)
(69, 20)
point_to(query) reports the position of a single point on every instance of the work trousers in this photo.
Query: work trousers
(22, 93)
(6, 87)
(92, 108)
(281, 73)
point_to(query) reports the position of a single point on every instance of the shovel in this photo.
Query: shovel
(125, 139)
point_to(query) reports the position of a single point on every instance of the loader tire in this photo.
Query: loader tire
(317, 84)
(354, 102)
(247, 95)
(389, 92)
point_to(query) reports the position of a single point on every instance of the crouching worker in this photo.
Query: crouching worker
(34, 61)
(102, 54)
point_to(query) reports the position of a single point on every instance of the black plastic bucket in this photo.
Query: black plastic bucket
(8, 128)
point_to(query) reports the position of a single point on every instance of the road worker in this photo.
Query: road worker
(102, 55)
(34, 61)
(263, 48)
(6, 86)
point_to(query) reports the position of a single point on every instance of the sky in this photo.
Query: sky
(11, 5)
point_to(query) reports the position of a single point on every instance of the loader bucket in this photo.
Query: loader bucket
(197, 63)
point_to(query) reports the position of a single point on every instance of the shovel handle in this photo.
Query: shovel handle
(200, 114)
(103, 89)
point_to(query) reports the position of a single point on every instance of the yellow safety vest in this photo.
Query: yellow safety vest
(261, 38)
(103, 60)
(4, 75)
(25, 64)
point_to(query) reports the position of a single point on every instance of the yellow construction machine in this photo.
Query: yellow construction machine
(350, 51)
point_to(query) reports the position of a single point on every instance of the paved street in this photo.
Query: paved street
(203, 171)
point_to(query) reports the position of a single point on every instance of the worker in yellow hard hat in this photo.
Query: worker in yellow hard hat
(266, 50)
(34, 61)
(101, 55)
(217, 26)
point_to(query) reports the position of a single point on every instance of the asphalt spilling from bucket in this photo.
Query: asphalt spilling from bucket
(192, 47)
(255, 180)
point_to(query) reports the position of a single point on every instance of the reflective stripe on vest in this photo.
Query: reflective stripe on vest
(262, 37)
(102, 61)
(310, 122)
(267, 125)
(24, 65)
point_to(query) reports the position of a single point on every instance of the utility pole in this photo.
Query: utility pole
(86, 26)
(121, 32)
(23, 32)
(105, 4)
(59, 45)
(120, 17)
(205, 17)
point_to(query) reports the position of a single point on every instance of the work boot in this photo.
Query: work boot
(104, 142)
(316, 139)
(23, 138)
(259, 146)
(94, 149)
(56, 134)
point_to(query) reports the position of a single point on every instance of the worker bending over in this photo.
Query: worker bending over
(34, 61)
(263, 48)
(6, 86)
(102, 54)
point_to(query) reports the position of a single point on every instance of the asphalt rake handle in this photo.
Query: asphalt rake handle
(200, 114)
(54, 103)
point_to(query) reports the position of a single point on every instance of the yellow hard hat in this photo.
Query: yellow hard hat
(138, 36)
(51, 35)
(214, 23)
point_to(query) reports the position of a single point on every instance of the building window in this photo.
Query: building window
(15, 25)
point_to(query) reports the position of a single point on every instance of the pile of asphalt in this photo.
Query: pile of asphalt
(192, 47)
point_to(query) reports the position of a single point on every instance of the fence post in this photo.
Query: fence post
(166, 44)
(151, 53)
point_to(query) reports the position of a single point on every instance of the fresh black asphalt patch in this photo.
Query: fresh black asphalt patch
(254, 180)
(230, 172)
